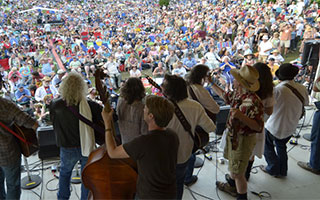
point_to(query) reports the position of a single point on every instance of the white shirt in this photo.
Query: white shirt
(195, 115)
(41, 92)
(112, 68)
(265, 46)
(286, 110)
(204, 97)
(136, 73)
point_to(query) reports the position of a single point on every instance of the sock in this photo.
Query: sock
(231, 182)
(242, 196)
(248, 171)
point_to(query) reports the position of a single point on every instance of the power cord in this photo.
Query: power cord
(217, 190)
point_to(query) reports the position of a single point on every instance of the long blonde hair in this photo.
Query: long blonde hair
(73, 88)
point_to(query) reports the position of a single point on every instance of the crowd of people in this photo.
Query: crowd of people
(43, 42)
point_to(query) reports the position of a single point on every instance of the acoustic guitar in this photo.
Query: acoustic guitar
(26, 138)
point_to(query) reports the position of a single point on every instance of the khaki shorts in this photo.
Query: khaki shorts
(239, 158)
(285, 43)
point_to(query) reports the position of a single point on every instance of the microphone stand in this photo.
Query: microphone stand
(30, 181)
(75, 177)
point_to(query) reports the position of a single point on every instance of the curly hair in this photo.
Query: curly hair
(265, 80)
(197, 73)
(73, 88)
(133, 90)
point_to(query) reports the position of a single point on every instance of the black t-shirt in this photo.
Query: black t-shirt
(156, 157)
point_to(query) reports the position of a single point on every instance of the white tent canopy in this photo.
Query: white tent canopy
(41, 8)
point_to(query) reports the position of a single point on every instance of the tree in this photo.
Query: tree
(164, 3)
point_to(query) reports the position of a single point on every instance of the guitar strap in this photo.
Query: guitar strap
(86, 121)
(183, 120)
(14, 133)
(194, 97)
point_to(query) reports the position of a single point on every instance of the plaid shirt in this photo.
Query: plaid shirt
(9, 114)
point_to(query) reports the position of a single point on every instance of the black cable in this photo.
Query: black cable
(217, 190)
(41, 190)
(49, 189)
(291, 148)
(36, 194)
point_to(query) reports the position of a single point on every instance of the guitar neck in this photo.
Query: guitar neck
(153, 83)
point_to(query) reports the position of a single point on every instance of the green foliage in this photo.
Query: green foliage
(164, 3)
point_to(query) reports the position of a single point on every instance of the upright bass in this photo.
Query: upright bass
(108, 178)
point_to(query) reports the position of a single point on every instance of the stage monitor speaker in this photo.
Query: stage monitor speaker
(222, 118)
(47, 143)
(311, 53)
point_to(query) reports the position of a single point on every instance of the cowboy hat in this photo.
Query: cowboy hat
(275, 51)
(46, 78)
(248, 77)
(287, 71)
(61, 71)
(248, 53)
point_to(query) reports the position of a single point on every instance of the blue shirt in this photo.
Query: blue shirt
(18, 94)
(189, 63)
(46, 69)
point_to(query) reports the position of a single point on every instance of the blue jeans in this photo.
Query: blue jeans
(69, 157)
(181, 171)
(190, 168)
(315, 142)
(12, 174)
(277, 162)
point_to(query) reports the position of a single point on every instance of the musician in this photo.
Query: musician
(195, 80)
(175, 89)
(245, 120)
(75, 138)
(156, 161)
(10, 155)
(130, 110)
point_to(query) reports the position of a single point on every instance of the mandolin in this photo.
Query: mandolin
(108, 178)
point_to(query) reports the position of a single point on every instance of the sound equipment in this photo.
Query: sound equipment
(222, 118)
(47, 143)
(310, 55)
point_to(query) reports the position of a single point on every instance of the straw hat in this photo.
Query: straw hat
(248, 77)
(46, 78)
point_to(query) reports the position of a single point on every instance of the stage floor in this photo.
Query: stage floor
(299, 184)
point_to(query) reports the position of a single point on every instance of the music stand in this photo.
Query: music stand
(30, 181)
(75, 177)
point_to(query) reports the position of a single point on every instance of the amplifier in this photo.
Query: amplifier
(47, 143)
(222, 118)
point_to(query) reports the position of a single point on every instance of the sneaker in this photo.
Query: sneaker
(307, 166)
(227, 188)
(192, 181)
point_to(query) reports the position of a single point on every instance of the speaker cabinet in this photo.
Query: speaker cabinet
(222, 118)
(310, 55)
(47, 143)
